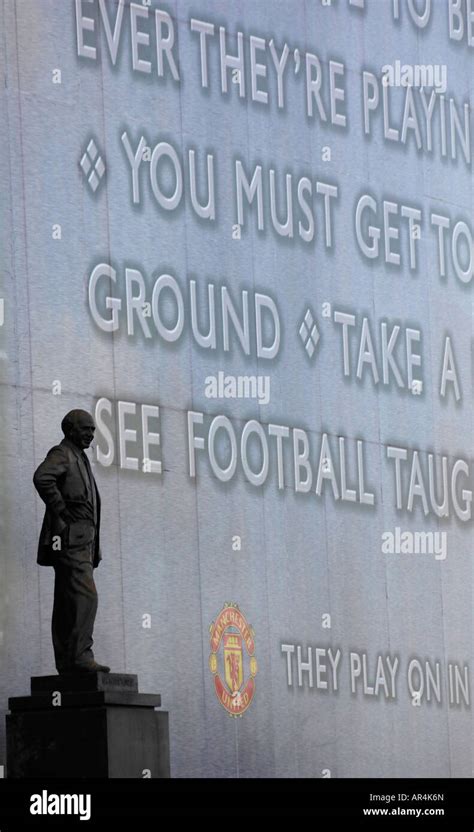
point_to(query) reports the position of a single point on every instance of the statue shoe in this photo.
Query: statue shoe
(90, 667)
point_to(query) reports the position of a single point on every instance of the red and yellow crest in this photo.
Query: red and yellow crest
(233, 634)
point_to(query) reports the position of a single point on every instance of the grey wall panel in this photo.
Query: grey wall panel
(177, 548)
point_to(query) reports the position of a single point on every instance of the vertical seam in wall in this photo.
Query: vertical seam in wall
(107, 223)
(27, 287)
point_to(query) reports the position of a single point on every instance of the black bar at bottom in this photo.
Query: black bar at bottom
(368, 803)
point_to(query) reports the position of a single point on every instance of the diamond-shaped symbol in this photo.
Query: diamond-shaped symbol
(92, 165)
(85, 164)
(308, 333)
(100, 167)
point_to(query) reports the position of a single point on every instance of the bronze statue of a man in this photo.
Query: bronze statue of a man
(69, 541)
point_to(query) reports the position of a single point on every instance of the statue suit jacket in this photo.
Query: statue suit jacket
(62, 483)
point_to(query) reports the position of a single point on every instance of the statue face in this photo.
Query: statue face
(83, 431)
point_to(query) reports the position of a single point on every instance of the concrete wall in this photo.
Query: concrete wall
(177, 547)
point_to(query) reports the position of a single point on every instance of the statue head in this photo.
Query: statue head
(79, 427)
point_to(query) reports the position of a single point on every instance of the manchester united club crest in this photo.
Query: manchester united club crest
(232, 661)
